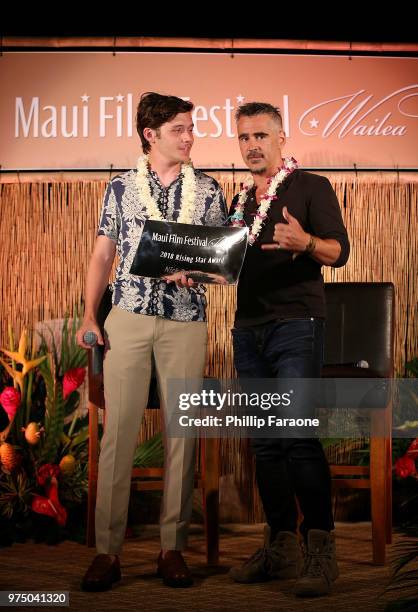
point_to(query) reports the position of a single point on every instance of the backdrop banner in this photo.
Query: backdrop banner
(78, 110)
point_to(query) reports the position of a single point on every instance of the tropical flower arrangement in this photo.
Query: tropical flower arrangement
(43, 438)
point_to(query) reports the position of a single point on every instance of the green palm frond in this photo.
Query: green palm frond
(404, 552)
(44, 344)
(405, 581)
(71, 355)
(15, 494)
(73, 487)
(52, 370)
(402, 605)
(80, 354)
(412, 367)
(71, 403)
(81, 437)
(150, 453)
(54, 412)
(64, 344)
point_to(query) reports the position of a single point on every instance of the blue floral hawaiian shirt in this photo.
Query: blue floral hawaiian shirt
(122, 220)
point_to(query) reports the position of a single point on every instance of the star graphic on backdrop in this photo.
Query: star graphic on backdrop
(85, 98)
(314, 123)
(240, 99)
(120, 98)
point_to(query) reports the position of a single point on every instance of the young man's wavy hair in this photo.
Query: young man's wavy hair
(154, 109)
(258, 108)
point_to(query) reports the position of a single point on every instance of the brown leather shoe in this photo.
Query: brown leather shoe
(173, 570)
(102, 573)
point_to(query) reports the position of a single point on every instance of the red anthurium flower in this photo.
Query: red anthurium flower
(10, 400)
(405, 466)
(72, 380)
(60, 511)
(47, 472)
(413, 450)
(50, 506)
(41, 505)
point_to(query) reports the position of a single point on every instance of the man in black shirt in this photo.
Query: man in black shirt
(295, 227)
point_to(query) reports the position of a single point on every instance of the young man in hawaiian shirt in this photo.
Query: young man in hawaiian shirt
(150, 318)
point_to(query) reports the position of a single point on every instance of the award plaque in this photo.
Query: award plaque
(204, 253)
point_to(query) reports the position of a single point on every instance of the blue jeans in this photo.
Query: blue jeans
(287, 469)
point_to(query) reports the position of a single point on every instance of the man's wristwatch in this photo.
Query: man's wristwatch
(310, 247)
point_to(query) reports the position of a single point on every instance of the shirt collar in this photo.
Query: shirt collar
(156, 179)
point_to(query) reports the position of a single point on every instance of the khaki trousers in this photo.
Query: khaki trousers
(179, 350)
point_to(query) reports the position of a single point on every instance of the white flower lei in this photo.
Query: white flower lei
(188, 191)
(289, 165)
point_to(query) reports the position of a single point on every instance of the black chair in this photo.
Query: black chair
(360, 328)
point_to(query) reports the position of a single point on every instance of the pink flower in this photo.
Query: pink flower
(10, 400)
(72, 380)
(404, 467)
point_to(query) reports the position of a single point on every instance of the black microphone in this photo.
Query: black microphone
(90, 338)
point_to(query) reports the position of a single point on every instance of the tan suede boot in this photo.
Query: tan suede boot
(282, 559)
(320, 567)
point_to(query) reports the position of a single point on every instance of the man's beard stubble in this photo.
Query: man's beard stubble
(259, 170)
(256, 170)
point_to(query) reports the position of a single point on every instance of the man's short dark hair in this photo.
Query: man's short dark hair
(154, 109)
(258, 108)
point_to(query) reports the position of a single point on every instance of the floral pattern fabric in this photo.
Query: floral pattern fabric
(122, 220)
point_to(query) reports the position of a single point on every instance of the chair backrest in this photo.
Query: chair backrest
(360, 325)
